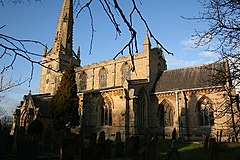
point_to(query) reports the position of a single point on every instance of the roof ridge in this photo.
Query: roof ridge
(194, 67)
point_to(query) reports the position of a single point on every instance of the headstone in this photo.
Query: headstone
(205, 145)
(211, 141)
(119, 149)
(174, 134)
(118, 137)
(102, 137)
(93, 139)
(119, 145)
(108, 149)
(69, 148)
(213, 154)
(132, 146)
(151, 151)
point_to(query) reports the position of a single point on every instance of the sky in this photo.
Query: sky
(38, 21)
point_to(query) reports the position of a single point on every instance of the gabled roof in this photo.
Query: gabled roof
(41, 101)
(203, 76)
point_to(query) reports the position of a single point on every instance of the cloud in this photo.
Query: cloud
(180, 63)
(208, 54)
(189, 43)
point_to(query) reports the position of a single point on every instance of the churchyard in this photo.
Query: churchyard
(57, 145)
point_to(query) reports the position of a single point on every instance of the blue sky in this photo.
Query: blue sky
(38, 22)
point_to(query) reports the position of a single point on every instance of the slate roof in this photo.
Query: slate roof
(208, 75)
(41, 101)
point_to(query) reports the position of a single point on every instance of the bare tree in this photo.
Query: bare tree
(14, 47)
(222, 36)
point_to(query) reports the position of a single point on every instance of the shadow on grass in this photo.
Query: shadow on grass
(194, 150)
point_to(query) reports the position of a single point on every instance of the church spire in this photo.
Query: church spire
(79, 55)
(64, 32)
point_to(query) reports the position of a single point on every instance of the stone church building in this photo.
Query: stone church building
(115, 98)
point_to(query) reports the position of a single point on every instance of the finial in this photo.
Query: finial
(157, 44)
(30, 92)
(78, 52)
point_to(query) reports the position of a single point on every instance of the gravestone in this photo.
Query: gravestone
(119, 145)
(151, 151)
(93, 139)
(69, 148)
(213, 154)
(102, 137)
(119, 149)
(211, 141)
(108, 149)
(118, 137)
(205, 145)
(174, 134)
(132, 146)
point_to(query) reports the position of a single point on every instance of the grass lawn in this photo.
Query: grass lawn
(194, 150)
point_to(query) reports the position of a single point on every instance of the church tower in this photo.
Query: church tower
(57, 58)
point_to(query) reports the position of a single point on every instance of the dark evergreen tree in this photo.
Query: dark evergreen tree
(64, 104)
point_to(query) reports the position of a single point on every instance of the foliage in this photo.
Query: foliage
(64, 104)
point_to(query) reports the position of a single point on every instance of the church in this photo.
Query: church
(115, 98)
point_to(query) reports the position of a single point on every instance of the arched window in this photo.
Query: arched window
(142, 103)
(165, 114)
(106, 112)
(205, 112)
(83, 81)
(126, 72)
(102, 78)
